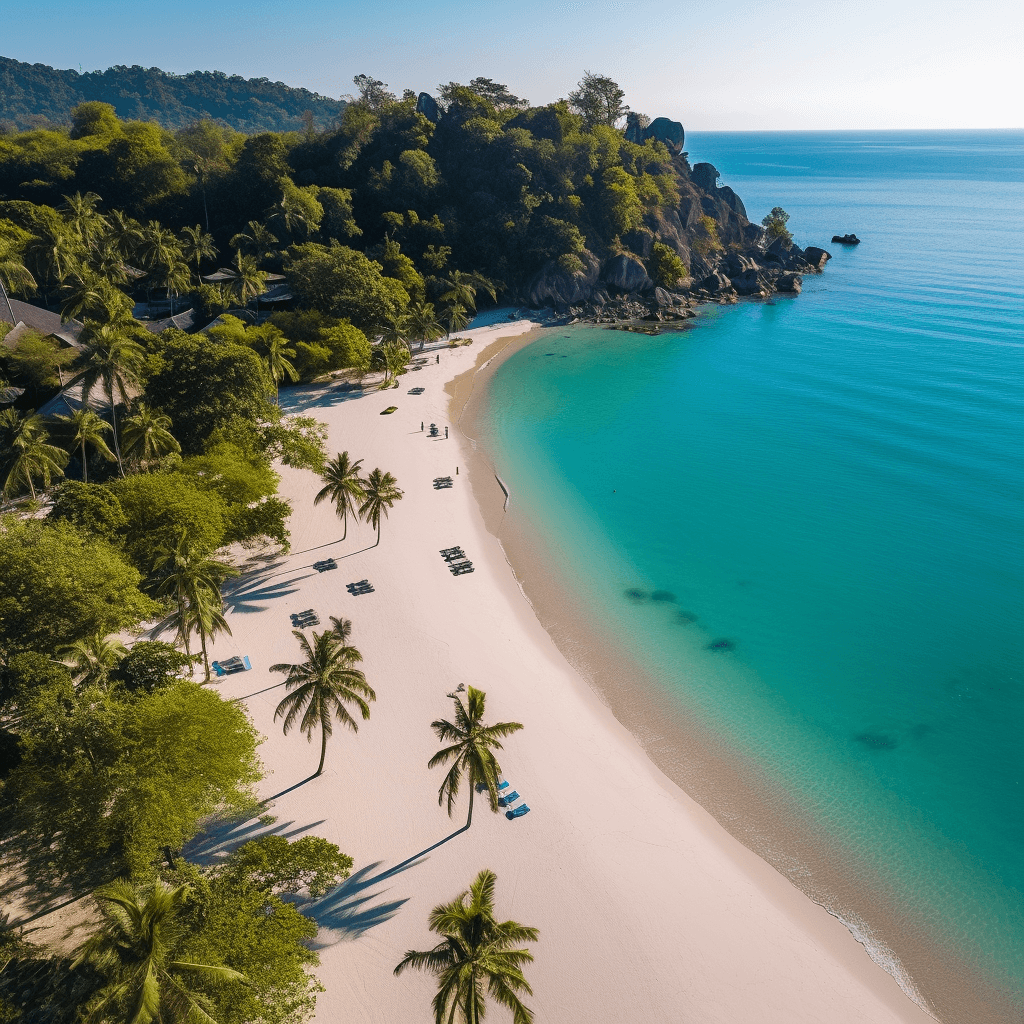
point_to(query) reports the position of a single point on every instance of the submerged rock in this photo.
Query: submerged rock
(722, 645)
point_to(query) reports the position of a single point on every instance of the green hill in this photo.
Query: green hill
(35, 96)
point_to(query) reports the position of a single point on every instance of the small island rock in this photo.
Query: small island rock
(850, 239)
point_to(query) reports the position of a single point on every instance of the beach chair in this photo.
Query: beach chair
(218, 668)
(517, 812)
(501, 785)
(449, 553)
(505, 801)
(460, 568)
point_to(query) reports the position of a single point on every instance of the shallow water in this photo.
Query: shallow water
(830, 487)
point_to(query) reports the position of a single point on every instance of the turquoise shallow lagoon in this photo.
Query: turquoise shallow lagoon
(835, 485)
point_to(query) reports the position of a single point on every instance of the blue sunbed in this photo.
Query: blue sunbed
(504, 801)
(517, 812)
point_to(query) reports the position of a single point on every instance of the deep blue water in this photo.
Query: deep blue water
(835, 483)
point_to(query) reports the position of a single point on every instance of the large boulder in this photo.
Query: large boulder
(662, 297)
(626, 274)
(749, 282)
(553, 286)
(715, 284)
(789, 283)
(669, 132)
(817, 257)
(705, 177)
(427, 106)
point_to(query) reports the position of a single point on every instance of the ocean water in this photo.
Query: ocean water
(834, 485)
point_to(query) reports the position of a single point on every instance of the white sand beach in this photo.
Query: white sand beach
(647, 908)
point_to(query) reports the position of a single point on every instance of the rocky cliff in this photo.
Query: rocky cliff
(726, 256)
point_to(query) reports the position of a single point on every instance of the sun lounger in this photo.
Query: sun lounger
(505, 801)
(325, 565)
(517, 812)
(235, 664)
(449, 553)
(416, 391)
(501, 785)
(460, 568)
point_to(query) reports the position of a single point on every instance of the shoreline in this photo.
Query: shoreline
(932, 977)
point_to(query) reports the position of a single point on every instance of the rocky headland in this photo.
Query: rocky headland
(726, 256)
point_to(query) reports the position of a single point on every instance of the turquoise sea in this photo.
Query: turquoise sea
(834, 484)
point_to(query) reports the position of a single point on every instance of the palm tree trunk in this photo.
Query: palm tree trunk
(206, 660)
(378, 531)
(206, 212)
(323, 750)
(85, 468)
(113, 417)
(469, 820)
(344, 519)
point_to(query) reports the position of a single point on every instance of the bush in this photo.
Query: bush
(665, 266)
(93, 508)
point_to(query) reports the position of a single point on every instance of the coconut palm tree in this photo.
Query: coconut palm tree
(423, 325)
(93, 658)
(343, 485)
(85, 292)
(83, 218)
(278, 359)
(55, 255)
(456, 318)
(147, 435)
(125, 233)
(250, 282)
(14, 275)
(87, 427)
(461, 288)
(381, 494)
(113, 360)
(174, 276)
(396, 330)
(258, 242)
(134, 951)
(475, 951)
(26, 453)
(471, 746)
(196, 246)
(193, 580)
(322, 686)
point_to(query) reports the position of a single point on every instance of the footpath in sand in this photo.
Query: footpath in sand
(647, 908)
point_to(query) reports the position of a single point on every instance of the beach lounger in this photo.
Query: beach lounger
(517, 812)
(460, 568)
(501, 785)
(216, 666)
(449, 553)
(235, 664)
(325, 565)
(505, 801)
(416, 391)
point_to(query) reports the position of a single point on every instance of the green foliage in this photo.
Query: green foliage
(775, 222)
(312, 864)
(151, 665)
(92, 509)
(34, 362)
(341, 282)
(113, 778)
(598, 100)
(58, 586)
(707, 240)
(29, 678)
(202, 384)
(162, 507)
(665, 266)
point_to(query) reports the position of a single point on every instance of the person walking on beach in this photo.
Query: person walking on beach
(438, 357)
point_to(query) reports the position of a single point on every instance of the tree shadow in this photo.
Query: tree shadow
(242, 600)
(345, 913)
(223, 836)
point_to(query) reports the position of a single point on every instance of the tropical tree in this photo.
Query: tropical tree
(83, 218)
(55, 254)
(174, 276)
(193, 580)
(134, 951)
(113, 360)
(461, 288)
(456, 318)
(147, 435)
(322, 686)
(423, 324)
(93, 658)
(249, 282)
(392, 357)
(471, 746)
(475, 951)
(396, 330)
(196, 246)
(26, 454)
(278, 358)
(85, 292)
(125, 233)
(86, 427)
(381, 494)
(14, 275)
(343, 485)
(258, 241)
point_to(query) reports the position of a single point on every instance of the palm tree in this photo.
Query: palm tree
(174, 276)
(381, 494)
(26, 454)
(196, 246)
(456, 318)
(250, 282)
(423, 325)
(476, 950)
(470, 749)
(125, 234)
(193, 580)
(86, 292)
(321, 686)
(147, 435)
(113, 360)
(81, 216)
(278, 359)
(14, 275)
(87, 427)
(396, 330)
(93, 658)
(134, 950)
(461, 288)
(257, 242)
(55, 255)
(343, 485)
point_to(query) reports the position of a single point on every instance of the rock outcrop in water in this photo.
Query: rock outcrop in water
(727, 256)
(850, 239)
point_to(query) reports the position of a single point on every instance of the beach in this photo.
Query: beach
(646, 906)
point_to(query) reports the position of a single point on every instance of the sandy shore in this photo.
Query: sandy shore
(647, 908)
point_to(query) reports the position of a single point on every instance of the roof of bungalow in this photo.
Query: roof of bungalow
(227, 274)
(183, 321)
(70, 399)
(9, 393)
(42, 320)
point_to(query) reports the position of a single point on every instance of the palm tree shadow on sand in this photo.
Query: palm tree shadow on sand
(345, 913)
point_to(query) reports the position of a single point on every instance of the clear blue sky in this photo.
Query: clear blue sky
(731, 64)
